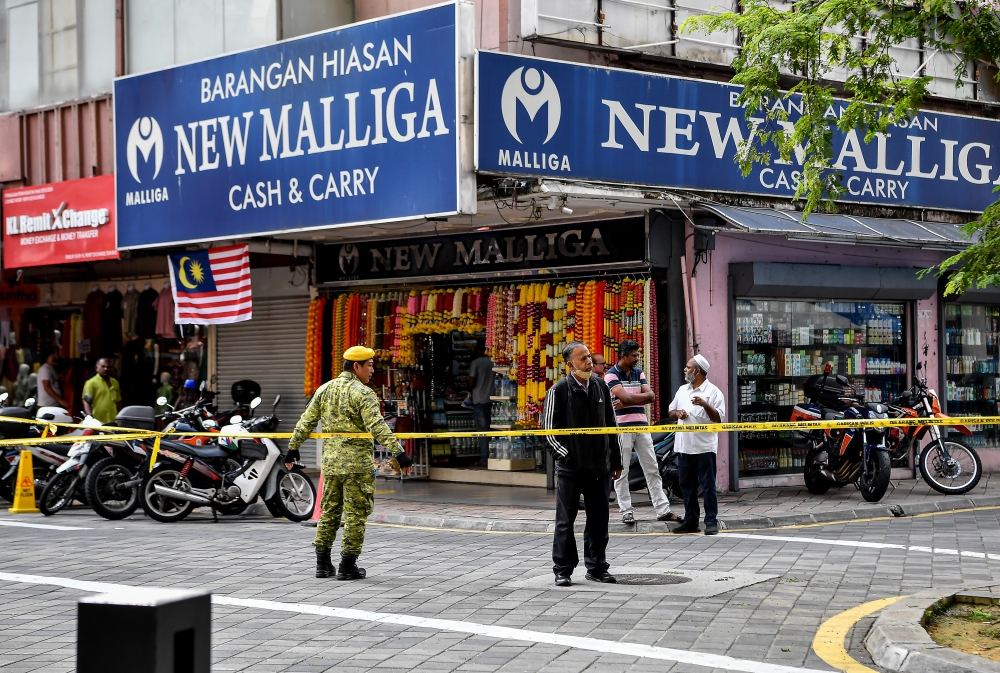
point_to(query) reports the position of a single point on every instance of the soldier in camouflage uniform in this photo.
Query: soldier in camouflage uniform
(347, 404)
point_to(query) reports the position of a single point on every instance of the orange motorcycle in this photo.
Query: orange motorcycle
(946, 464)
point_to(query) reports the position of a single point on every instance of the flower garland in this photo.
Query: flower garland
(526, 326)
(314, 347)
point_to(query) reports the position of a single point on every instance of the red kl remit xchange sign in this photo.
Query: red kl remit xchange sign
(60, 223)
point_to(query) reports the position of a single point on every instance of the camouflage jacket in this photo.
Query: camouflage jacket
(345, 404)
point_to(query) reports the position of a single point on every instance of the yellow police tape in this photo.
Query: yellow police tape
(114, 433)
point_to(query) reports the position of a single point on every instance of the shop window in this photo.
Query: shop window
(972, 360)
(781, 343)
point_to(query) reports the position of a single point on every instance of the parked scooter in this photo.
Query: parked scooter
(68, 481)
(839, 456)
(666, 462)
(947, 464)
(227, 477)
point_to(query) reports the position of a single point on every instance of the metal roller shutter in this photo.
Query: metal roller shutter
(270, 349)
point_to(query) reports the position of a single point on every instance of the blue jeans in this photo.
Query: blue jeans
(693, 470)
(483, 415)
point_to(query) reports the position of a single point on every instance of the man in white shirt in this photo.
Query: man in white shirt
(697, 402)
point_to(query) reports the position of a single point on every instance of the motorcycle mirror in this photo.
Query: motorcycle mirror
(255, 403)
(3, 397)
(203, 386)
(30, 402)
(919, 366)
(235, 419)
(209, 423)
(161, 401)
(276, 400)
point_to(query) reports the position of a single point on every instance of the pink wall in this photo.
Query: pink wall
(712, 278)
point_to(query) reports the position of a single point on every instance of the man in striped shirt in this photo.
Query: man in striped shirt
(628, 385)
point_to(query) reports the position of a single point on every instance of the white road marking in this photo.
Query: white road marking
(19, 524)
(705, 659)
(866, 545)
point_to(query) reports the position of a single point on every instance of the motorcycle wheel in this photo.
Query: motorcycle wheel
(105, 492)
(958, 475)
(57, 493)
(161, 508)
(816, 483)
(874, 486)
(7, 489)
(295, 496)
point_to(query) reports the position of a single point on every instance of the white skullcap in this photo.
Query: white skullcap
(702, 362)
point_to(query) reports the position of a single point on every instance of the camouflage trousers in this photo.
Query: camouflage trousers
(352, 495)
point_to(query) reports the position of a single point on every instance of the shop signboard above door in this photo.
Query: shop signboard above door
(349, 126)
(619, 245)
(544, 118)
(59, 223)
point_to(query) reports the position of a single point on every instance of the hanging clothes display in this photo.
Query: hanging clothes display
(111, 323)
(92, 311)
(145, 316)
(165, 314)
(130, 311)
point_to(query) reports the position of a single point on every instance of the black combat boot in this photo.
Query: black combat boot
(324, 565)
(349, 569)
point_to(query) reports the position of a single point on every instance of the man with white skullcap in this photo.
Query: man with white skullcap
(698, 401)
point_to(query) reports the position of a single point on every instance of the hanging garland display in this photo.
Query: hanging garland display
(525, 325)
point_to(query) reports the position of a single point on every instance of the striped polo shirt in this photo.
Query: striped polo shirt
(631, 383)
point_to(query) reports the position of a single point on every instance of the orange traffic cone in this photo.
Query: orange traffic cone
(24, 490)
(317, 508)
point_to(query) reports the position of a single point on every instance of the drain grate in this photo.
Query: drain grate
(651, 579)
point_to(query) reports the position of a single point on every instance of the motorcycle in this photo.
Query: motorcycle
(947, 465)
(840, 456)
(227, 477)
(68, 481)
(666, 462)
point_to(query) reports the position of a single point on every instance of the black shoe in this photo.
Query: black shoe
(563, 581)
(686, 528)
(670, 517)
(711, 529)
(324, 566)
(604, 577)
(349, 569)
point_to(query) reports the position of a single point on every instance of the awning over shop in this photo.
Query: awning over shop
(830, 281)
(821, 226)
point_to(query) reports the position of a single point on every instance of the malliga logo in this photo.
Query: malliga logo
(514, 92)
(144, 137)
(532, 90)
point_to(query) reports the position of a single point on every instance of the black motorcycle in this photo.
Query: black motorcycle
(666, 462)
(840, 456)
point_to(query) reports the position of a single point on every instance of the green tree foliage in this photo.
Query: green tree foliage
(828, 48)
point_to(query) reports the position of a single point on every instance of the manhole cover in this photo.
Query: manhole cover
(652, 579)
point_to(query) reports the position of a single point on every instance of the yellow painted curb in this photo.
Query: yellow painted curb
(829, 640)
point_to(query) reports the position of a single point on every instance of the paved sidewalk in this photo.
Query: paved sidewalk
(506, 508)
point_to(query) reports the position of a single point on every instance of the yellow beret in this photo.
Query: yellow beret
(359, 354)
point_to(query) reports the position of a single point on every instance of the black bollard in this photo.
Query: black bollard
(144, 631)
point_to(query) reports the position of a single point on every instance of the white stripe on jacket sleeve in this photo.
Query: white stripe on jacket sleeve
(547, 424)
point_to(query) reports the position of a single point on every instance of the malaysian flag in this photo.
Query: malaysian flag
(211, 286)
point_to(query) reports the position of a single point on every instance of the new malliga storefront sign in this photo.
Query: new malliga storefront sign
(351, 125)
(71, 221)
(548, 118)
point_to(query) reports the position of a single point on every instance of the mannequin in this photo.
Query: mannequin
(22, 386)
(147, 286)
(166, 389)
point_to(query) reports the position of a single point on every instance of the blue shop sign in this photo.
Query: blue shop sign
(545, 118)
(343, 127)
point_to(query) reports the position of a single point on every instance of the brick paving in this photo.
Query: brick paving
(468, 576)
(455, 502)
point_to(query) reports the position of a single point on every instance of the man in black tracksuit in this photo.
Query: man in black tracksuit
(585, 464)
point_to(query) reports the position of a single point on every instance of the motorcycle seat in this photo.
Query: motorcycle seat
(207, 451)
(659, 437)
(62, 448)
(831, 415)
